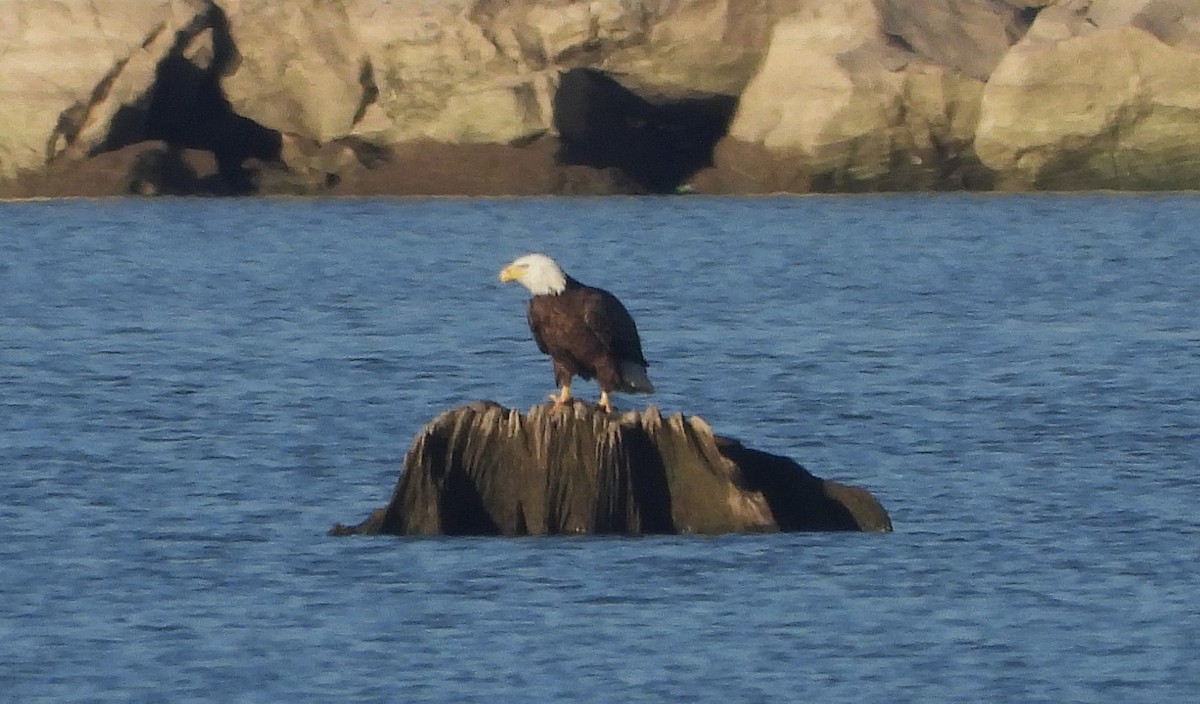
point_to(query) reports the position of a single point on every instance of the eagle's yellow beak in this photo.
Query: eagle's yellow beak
(512, 272)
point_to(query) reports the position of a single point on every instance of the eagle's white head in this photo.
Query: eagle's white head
(536, 272)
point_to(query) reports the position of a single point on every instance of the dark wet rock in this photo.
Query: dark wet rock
(483, 469)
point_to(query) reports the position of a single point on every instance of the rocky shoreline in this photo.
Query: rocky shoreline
(483, 97)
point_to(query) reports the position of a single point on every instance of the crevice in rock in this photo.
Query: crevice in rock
(72, 120)
(370, 89)
(899, 42)
(656, 141)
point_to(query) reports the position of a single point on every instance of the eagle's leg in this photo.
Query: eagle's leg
(562, 376)
(563, 397)
(604, 402)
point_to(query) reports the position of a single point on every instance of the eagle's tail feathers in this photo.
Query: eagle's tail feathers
(635, 378)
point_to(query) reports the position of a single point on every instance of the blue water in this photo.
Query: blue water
(193, 391)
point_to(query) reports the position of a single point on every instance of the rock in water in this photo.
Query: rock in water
(483, 469)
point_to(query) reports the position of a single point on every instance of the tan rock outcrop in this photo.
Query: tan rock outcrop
(840, 104)
(313, 96)
(301, 66)
(1081, 106)
(440, 77)
(470, 72)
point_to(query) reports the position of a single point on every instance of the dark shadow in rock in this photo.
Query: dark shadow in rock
(797, 498)
(187, 109)
(658, 141)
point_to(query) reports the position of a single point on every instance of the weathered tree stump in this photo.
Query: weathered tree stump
(482, 469)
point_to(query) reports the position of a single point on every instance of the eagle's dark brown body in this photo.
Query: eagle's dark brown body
(589, 333)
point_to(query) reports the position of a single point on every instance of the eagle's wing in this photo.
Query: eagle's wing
(612, 324)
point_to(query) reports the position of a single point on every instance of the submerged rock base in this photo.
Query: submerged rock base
(483, 469)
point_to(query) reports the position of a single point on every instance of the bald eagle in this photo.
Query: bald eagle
(586, 331)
